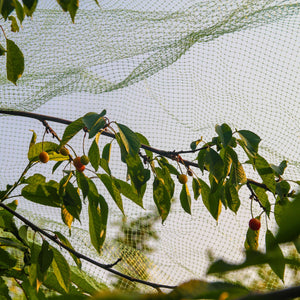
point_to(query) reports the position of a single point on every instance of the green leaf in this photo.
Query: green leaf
(14, 61)
(7, 261)
(161, 197)
(196, 188)
(112, 189)
(210, 200)
(263, 198)
(8, 242)
(6, 8)
(94, 122)
(29, 7)
(289, 226)
(82, 183)
(86, 283)
(279, 170)
(128, 191)
(164, 174)
(282, 189)
(56, 166)
(225, 134)
(129, 140)
(266, 172)
(72, 7)
(280, 207)
(71, 130)
(201, 158)
(251, 141)
(98, 213)
(185, 199)
(214, 164)
(94, 154)
(4, 291)
(19, 10)
(72, 201)
(251, 242)
(41, 192)
(138, 174)
(144, 141)
(49, 147)
(33, 267)
(66, 242)
(44, 260)
(2, 50)
(164, 162)
(194, 144)
(232, 196)
(61, 269)
(14, 24)
(106, 152)
(277, 266)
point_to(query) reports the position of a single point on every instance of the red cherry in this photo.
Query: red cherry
(254, 224)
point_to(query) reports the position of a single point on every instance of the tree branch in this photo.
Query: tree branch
(107, 267)
(284, 294)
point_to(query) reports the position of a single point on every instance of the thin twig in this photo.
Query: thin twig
(107, 267)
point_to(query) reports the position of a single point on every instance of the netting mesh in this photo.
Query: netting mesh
(170, 71)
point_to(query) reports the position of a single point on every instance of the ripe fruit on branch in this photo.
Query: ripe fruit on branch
(84, 159)
(254, 224)
(182, 178)
(64, 151)
(44, 157)
(78, 164)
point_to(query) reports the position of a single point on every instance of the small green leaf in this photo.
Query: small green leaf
(185, 199)
(14, 24)
(2, 50)
(273, 248)
(251, 141)
(289, 226)
(19, 10)
(201, 159)
(196, 188)
(164, 162)
(44, 260)
(232, 196)
(94, 122)
(194, 144)
(66, 242)
(106, 152)
(6, 8)
(82, 183)
(71, 130)
(98, 213)
(225, 134)
(94, 154)
(29, 7)
(7, 261)
(164, 174)
(45, 193)
(280, 207)
(263, 198)
(128, 191)
(282, 189)
(14, 61)
(266, 172)
(279, 170)
(72, 8)
(129, 139)
(112, 189)
(161, 198)
(138, 174)
(61, 269)
(72, 201)
(214, 164)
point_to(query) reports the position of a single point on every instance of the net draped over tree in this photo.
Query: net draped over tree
(171, 71)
